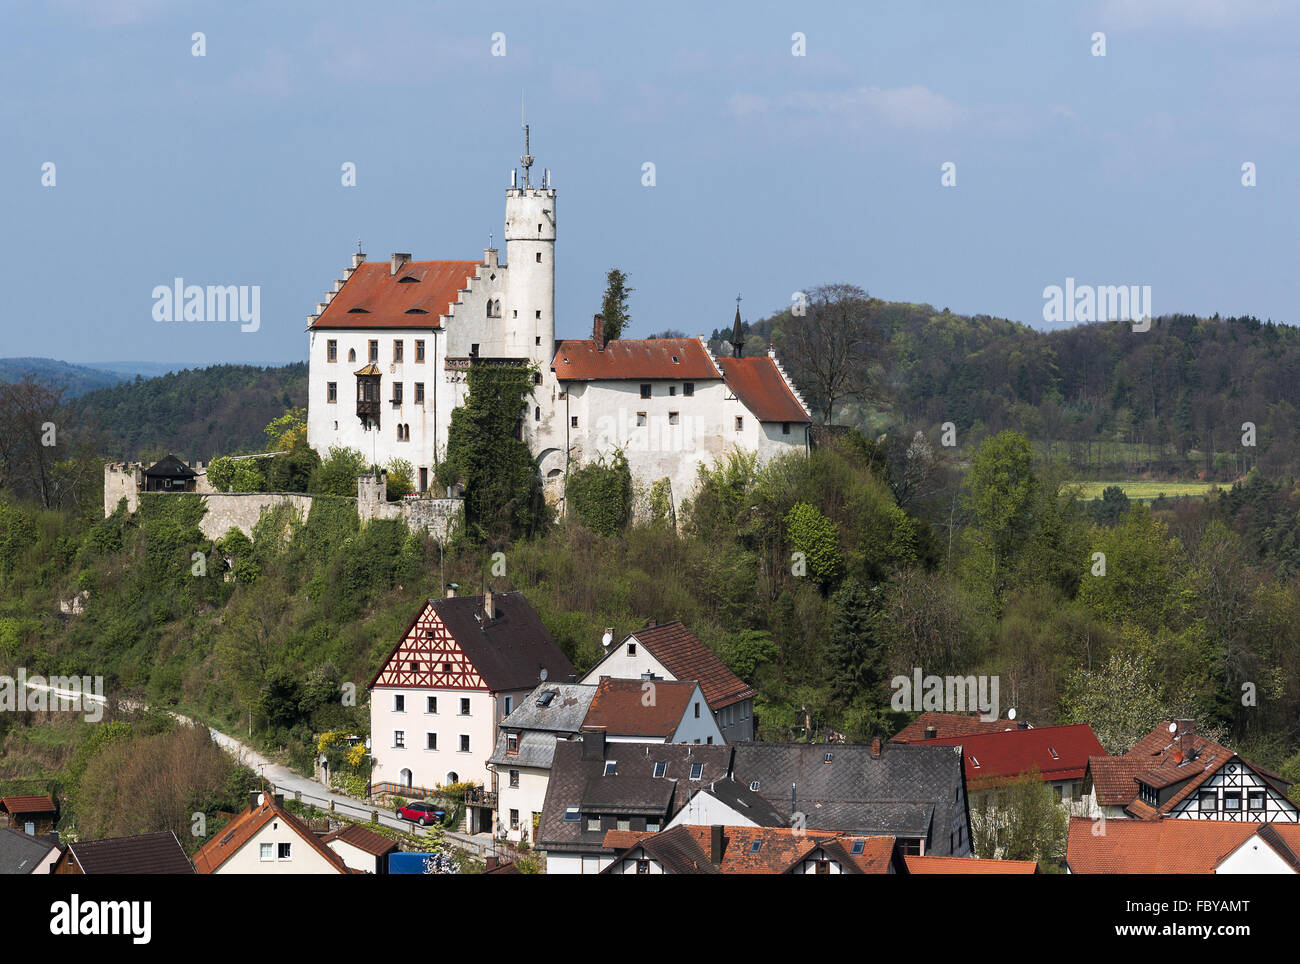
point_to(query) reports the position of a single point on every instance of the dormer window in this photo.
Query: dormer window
(697, 771)
(660, 768)
(611, 768)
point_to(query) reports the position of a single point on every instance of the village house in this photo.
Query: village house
(597, 786)
(1175, 772)
(361, 849)
(651, 711)
(390, 346)
(436, 704)
(932, 725)
(169, 474)
(726, 803)
(916, 794)
(22, 853)
(267, 839)
(33, 814)
(525, 747)
(750, 850)
(672, 652)
(146, 853)
(1165, 846)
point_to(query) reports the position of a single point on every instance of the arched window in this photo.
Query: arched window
(405, 778)
(352, 354)
(452, 778)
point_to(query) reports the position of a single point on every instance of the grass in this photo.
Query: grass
(1145, 491)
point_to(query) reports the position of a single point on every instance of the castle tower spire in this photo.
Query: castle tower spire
(737, 337)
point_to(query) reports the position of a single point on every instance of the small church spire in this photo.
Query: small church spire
(737, 337)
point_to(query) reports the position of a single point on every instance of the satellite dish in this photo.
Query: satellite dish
(607, 638)
(1173, 727)
(542, 675)
(261, 799)
(1011, 713)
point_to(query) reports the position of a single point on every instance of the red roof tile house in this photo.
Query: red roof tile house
(390, 344)
(268, 839)
(931, 725)
(651, 711)
(1176, 772)
(672, 652)
(750, 850)
(32, 814)
(1103, 846)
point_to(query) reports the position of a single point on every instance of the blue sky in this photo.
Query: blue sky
(773, 172)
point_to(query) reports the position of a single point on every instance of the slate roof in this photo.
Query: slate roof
(1056, 752)
(20, 852)
(361, 838)
(416, 297)
(1161, 761)
(634, 358)
(952, 724)
(540, 727)
(1170, 846)
(170, 467)
(580, 782)
(619, 707)
(35, 803)
(906, 790)
(743, 800)
(687, 658)
(757, 383)
(688, 850)
(245, 826)
(148, 853)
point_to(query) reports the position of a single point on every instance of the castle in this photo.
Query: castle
(390, 346)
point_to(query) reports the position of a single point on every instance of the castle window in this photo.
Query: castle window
(672, 389)
(332, 391)
(537, 340)
(688, 389)
(573, 421)
(398, 351)
(740, 423)
(419, 393)
(539, 257)
(645, 391)
(431, 741)
(473, 350)
(352, 354)
(537, 413)
(419, 349)
(538, 314)
(374, 351)
(785, 428)
(673, 418)
(332, 350)
(640, 419)
(397, 393)
(537, 378)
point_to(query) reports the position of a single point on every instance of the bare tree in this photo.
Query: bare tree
(832, 346)
(28, 437)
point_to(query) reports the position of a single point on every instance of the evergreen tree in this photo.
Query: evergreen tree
(614, 305)
(854, 653)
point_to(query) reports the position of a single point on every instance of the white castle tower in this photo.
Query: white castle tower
(530, 254)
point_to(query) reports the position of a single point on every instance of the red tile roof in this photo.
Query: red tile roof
(686, 849)
(361, 838)
(619, 707)
(1056, 752)
(968, 865)
(1168, 846)
(758, 384)
(32, 803)
(374, 298)
(649, 358)
(950, 724)
(244, 827)
(683, 654)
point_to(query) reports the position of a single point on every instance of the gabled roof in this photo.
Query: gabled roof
(683, 654)
(551, 712)
(759, 386)
(415, 297)
(20, 852)
(779, 850)
(634, 358)
(31, 803)
(1169, 846)
(905, 790)
(968, 865)
(619, 707)
(1056, 752)
(1164, 759)
(170, 467)
(147, 853)
(952, 724)
(361, 838)
(508, 651)
(743, 800)
(245, 826)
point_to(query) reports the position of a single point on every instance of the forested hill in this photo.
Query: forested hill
(197, 413)
(1168, 401)
(73, 379)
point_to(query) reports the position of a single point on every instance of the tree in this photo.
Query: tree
(832, 346)
(29, 439)
(288, 432)
(613, 306)
(1121, 701)
(401, 479)
(600, 494)
(854, 652)
(1002, 491)
(1019, 820)
(338, 471)
(818, 538)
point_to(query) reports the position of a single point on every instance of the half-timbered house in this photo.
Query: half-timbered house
(462, 666)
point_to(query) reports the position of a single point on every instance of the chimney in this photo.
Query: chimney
(358, 259)
(490, 257)
(279, 799)
(598, 331)
(651, 623)
(488, 612)
(399, 259)
(875, 748)
(1022, 724)
(451, 590)
(593, 745)
(252, 799)
(1185, 728)
(931, 732)
(715, 845)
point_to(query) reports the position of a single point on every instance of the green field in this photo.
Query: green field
(1145, 491)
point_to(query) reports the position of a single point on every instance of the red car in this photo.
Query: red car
(421, 813)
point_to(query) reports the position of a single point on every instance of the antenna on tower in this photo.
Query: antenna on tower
(527, 159)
